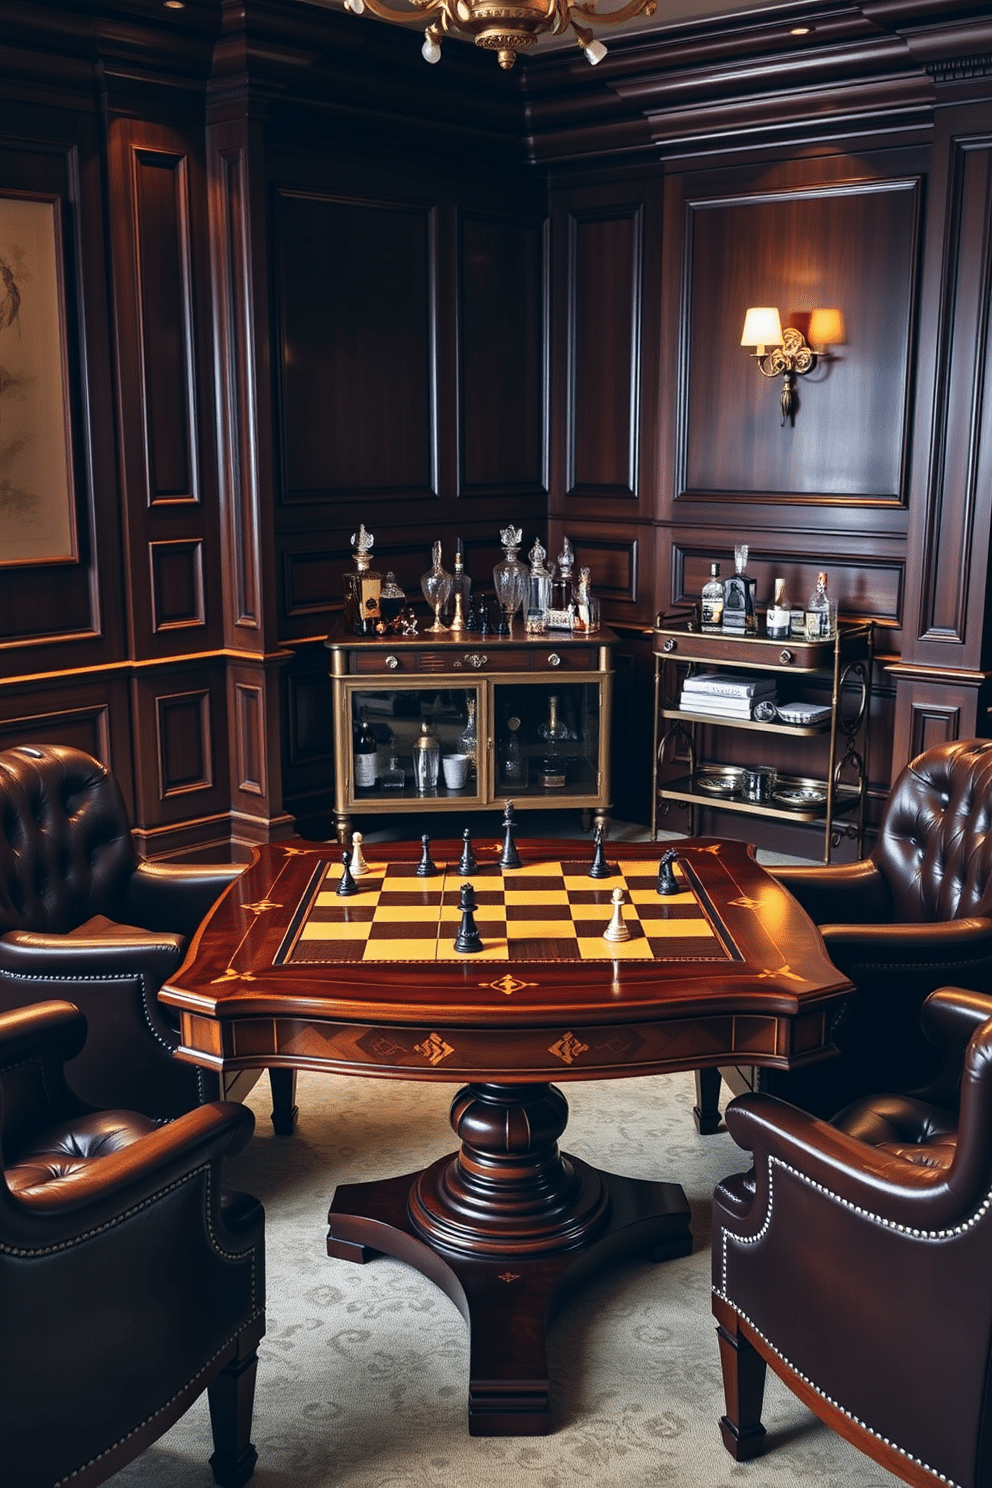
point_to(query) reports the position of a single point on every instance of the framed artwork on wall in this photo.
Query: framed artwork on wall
(37, 502)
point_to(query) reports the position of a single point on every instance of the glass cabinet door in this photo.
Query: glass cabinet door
(547, 738)
(390, 724)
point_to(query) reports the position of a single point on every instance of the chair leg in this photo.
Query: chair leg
(706, 1111)
(743, 1391)
(284, 1108)
(231, 1395)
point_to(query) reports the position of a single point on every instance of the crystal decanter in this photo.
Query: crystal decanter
(510, 578)
(436, 584)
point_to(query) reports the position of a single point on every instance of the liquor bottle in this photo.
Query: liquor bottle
(363, 748)
(586, 620)
(561, 615)
(538, 591)
(778, 617)
(819, 611)
(712, 600)
(362, 587)
(738, 597)
(468, 739)
(553, 768)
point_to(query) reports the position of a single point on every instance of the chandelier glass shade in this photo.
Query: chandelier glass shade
(505, 27)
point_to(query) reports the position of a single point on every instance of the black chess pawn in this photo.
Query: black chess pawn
(467, 863)
(600, 868)
(426, 868)
(468, 940)
(667, 882)
(346, 884)
(509, 857)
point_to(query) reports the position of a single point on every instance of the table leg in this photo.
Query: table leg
(509, 1227)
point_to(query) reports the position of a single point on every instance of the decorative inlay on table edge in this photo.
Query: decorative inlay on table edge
(539, 1053)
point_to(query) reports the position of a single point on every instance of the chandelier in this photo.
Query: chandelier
(505, 27)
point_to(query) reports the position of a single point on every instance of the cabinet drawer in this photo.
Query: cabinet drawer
(552, 658)
(386, 663)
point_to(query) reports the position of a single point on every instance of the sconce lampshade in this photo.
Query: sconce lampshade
(826, 328)
(762, 327)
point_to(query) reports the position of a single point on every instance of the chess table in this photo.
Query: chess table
(287, 973)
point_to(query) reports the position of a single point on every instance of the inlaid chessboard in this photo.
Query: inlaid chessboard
(542, 911)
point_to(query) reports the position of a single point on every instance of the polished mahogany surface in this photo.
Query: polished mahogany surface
(768, 992)
(509, 1225)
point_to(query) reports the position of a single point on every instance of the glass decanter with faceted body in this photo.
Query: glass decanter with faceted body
(538, 591)
(510, 578)
(513, 767)
(468, 739)
(436, 584)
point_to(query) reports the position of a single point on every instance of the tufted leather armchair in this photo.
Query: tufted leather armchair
(131, 1280)
(854, 1260)
(911, 917)
(82, 919)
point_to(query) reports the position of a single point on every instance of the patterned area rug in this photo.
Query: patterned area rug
(363, 1374)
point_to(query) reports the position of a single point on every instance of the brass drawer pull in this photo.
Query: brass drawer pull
(477, 659)
(392, 662)
(554, 659)
(785, 657)
(670, 645)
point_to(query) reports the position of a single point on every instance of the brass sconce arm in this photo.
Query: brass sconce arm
(787, 361)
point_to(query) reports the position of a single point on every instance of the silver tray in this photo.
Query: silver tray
(719, 780)
(801, 797)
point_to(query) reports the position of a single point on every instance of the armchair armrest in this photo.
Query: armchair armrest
(99, 949)
(949, 1017)
(865, 1177)
(45, 1030)
(934, 944)
(125, 1181)
(848, 892)
(176, 896)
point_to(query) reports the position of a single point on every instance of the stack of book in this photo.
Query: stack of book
(725, 694)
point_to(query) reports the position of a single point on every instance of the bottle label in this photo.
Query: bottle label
(712, 612)
(777, 622)
(364, 770)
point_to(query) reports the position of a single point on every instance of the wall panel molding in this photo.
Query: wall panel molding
(185, 750)
(177, 596)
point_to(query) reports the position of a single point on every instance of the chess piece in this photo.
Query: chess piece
(468, 940)
(425, 868)
(667, 882)
(359, 867)
(509, 857)
(346, 884)
(617, 929)
(600, 867)
(467, 863)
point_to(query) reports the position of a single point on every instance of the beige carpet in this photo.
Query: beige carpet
(363, 1374)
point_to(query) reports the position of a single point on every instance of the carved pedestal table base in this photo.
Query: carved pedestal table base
(508, 1227)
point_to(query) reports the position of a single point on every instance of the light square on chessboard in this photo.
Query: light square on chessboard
(540, 930)
(513, 894)
(595, 948)
(337, 929)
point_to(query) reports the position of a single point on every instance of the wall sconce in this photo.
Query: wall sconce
(787, 354)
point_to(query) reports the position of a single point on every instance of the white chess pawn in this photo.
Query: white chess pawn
(358, 863)
(617, 928)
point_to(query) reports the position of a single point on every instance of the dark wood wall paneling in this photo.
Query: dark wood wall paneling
(413, 358)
